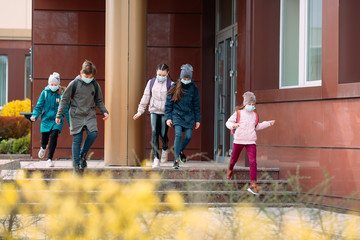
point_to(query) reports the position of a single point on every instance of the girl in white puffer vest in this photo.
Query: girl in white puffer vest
(244, 123)
(155, 92)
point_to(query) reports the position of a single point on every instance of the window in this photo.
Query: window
(3, 79)
(226, 13)
(27, 93)
(300, 43)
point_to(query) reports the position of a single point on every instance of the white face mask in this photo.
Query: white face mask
(87, 80)
(54, 88)
(161, 78)
(185, 82)
(250, 108)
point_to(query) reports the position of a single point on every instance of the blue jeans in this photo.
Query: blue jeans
(77, 139)
(179, 145)
(158, 128)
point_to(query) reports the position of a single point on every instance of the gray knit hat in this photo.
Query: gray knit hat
(55, 77)
(249, 97)
(186, 71)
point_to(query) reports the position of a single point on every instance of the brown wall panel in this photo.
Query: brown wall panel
(90, 5)
(7, 44)
(349, 38)
(265, 48)
(188, 6)
(67, 60)
(311, 124)
(174, 58)
(341, 164)
(167, 30)
(81, 28)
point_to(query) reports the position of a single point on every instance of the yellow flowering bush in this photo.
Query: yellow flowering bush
(97, 207)
(14, 108)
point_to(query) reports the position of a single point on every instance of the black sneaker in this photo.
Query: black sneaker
(83, 163)
(176, 164)
(76, 171)
(182, 157)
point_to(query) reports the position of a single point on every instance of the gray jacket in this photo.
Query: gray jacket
(82, 106)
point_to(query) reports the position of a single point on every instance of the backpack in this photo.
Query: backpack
(152, 82)
(238, 120)
(74, 86)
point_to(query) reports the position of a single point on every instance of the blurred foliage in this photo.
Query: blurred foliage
(15, 146)
(14, 127)
(97, 207)
(14, 108)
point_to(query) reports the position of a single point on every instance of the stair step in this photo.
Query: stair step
(168, 173)
(233, 196)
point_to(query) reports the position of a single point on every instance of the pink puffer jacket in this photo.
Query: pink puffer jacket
(246, 132)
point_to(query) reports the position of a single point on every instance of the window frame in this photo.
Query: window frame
(303, 47)
(6, 81)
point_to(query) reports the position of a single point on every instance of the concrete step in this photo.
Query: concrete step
(189, 184)
(166, 173)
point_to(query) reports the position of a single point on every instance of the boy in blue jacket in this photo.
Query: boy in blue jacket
(182, 110)
(47, 106)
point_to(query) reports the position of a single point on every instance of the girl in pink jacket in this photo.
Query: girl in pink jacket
(156, 93)
(244, 124)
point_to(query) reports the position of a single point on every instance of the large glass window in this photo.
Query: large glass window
(300, 43)
(3, 79)
(27, 93)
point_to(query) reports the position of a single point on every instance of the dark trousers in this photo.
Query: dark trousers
(53, 135)
(77, 140)
(158, 128)
(179, 145)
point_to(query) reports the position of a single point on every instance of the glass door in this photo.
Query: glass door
(225, 91)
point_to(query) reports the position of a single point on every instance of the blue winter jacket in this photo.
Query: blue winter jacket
(186, 111)
(47, 106)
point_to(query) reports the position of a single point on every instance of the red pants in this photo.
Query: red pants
(251, 151)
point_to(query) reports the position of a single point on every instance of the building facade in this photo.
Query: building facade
(299, 57)
(15, 43)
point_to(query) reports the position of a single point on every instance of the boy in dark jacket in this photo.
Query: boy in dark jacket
(84, 93)
(182, 110)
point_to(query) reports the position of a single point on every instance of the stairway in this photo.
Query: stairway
(198, 183)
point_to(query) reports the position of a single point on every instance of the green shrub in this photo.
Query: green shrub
(21, 145)
(6, 146)
(15, 146)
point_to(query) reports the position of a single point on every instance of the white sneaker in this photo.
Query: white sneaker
(156, 163)
(164, 156)
(41, 152)
(49, 163)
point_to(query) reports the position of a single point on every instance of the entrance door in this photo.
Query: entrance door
(225, 91)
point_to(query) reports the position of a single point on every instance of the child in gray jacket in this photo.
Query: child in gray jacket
(84, 93)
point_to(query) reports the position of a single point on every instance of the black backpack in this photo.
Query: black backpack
(74, 86)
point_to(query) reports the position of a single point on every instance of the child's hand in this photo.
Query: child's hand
(169, 122)
(197, 125)
(272, 122)
(136, 116)
(57, 121)
(106, 116)
(236, 125)
(33, 119)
